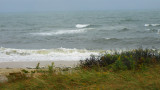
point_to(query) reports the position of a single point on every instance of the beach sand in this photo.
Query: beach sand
(8, 67)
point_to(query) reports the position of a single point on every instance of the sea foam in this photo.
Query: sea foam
(9, 55)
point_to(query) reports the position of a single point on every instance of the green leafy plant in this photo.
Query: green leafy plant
(50, 68)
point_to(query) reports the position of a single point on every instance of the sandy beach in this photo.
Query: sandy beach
(32, 64)
(7, 67)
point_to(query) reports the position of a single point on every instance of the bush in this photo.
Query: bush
(131, 60)
(119, 65)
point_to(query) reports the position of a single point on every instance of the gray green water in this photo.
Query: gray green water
(76, 33)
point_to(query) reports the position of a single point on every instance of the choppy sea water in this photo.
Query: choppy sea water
(75, 35)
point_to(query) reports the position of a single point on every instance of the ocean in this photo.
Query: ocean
(67, 36)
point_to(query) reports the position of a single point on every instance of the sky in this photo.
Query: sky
(75, 5)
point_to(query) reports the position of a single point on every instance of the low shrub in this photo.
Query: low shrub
(127, 60)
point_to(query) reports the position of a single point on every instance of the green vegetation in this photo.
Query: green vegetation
(50, 68)
(24, 71)
(136, 59)
(136, 69)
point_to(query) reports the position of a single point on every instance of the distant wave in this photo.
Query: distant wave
(154, 25)
(70, 31)
(124, 29)
(82, 25)
(157, 31)
(111, 39)
(106, 40)
(42, 34)
(117, 27)
(130, 20)
(152, 30)
(60, 32)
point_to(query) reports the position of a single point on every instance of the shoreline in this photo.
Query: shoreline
(32, 64)
(12, 67)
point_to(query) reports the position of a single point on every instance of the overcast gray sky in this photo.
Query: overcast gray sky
(70, 5)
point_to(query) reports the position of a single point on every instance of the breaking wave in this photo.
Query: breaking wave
(8, 54)
(60, 32)
(80, 28)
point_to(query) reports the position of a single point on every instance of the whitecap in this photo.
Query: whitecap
(60, 32)
(69, 31)
(111, 38)
(107, 38)
(42, 34)
(154, 25)
(82, 25)
(146, 25)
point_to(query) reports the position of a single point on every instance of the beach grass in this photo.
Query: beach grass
(136, 69)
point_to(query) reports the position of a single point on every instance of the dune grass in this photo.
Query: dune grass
(149, 79)
(141, 71)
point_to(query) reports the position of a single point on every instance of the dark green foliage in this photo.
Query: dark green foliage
(130, 60)
(24, 71)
